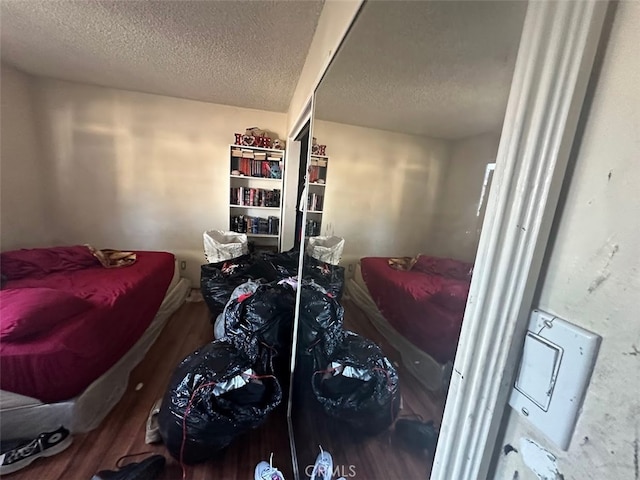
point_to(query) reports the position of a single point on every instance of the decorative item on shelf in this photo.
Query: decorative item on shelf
(274, 171)
(253, 137)
(278, 144)
(317, 149)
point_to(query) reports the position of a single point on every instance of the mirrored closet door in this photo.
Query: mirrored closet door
(405, 134)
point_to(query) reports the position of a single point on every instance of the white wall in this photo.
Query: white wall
(333, 24)
(593, 274)
(381, 189)
(456, 227)
(136, 171)
(23, 216)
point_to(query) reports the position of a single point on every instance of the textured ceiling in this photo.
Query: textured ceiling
(241, 53)
(440, 69)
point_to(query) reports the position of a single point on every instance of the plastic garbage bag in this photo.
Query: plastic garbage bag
(330, 277)
(285, 263)
(213, 397)
(248, 287)
(259, 322)
(326, 249)
(219, 280)
(220, 245)
(359, 386)
(218, 328)
(320, 324)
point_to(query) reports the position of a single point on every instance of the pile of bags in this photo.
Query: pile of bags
(230, 385)
(351, 378)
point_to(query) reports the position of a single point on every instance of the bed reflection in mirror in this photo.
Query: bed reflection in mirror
(406, 131)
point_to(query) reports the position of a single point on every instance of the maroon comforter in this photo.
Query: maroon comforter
(66, 320)
(425, 304)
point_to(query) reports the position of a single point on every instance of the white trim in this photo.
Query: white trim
(306, 116)
(290, 177)
(554, 62)
(303, 118)
(488, 171)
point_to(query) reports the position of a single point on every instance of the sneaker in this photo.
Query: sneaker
(323, 468)
(152, 433)
(148, 469)
(266, 471)
(45, 445)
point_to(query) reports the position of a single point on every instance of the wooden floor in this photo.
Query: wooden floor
(122, 432)
(382, 456)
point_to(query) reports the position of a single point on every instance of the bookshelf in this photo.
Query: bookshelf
(255, 193)
(318, 165)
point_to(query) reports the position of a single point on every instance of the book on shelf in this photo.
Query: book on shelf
(314, 173)
(255, 225)
(254, 197)
(314, 202)
(251, 167)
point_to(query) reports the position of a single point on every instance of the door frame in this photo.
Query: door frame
(553, 67)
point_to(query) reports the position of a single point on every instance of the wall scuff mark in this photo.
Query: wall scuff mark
(634, 351)
(600, 279)
(508, 448)
(540, 461)
(604, 273)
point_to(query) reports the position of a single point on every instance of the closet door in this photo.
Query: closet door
(409, 113)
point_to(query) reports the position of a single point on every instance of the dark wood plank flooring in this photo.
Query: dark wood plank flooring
(381, 456)
(123, 431)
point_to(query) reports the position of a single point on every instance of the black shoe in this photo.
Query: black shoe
(148, 469)
(416, 434)
(45, 445)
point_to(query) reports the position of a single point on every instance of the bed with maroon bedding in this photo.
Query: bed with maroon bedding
(425, 304)
(66, 320)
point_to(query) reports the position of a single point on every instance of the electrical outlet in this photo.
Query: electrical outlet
(351, 267)
(183, 265)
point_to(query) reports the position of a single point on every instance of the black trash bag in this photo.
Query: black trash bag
(285, 263)
(330, 277)
(223, 402)
(219, 280)
(320, 325)
(260, 323)
(359, 386)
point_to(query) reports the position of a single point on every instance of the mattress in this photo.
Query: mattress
(425, 308)
(62, 363)
(26, 417)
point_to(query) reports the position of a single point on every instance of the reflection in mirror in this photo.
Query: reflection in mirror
(407, 125)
